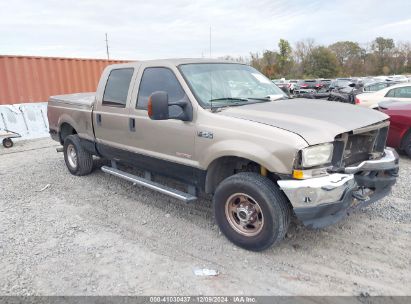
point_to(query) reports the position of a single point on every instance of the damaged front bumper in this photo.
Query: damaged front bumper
(323, 201)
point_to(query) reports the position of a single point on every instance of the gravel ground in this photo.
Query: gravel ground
(99, 235)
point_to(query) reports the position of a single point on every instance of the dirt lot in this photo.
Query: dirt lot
(99, 235)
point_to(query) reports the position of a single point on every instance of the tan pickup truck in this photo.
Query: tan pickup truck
(224, 129)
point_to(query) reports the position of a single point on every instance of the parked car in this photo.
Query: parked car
(399, 135)
(292, 85)
(283, 84)
(376, 86)
(325, 83)
(400, 91)
(339, 84)
(397, 78)
(262, 156)
(312, 84)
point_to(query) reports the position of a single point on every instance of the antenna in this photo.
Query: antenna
(108, 54)
(211, 78)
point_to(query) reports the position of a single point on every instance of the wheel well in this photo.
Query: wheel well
(402, 143)
(66, 130)
(226, 166)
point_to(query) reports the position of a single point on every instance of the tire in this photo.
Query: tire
(242, 190)
(7, 143)
(407, 144)
(78, 161)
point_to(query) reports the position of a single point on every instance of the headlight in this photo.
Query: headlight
(317, 155)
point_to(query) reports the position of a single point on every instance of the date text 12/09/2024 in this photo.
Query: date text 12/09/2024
(203, 299)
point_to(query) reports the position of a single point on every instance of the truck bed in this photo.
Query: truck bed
(79, 99)
(73, 109)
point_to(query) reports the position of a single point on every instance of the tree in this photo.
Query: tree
(321, 63)
(349, 56)
(284, 57)
(345, 50)
(383, 48)
(342, 58)
(400, 59)
(266, 64)
(302, 50)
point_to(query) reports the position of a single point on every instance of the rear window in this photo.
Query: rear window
(116, 91)
(343, 83)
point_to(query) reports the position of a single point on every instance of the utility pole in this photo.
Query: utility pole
(108, 54)
(210, 41)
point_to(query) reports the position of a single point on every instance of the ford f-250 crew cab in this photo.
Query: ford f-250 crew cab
(224, 129)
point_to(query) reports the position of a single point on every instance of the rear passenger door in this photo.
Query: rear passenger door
(111, 112)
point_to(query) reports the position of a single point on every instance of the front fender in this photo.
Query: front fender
(272, 160)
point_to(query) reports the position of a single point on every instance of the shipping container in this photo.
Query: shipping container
(33, 79)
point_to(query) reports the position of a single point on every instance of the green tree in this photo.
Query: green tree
(321, 63)
(348, 54)
(345, 50)
(284, 57)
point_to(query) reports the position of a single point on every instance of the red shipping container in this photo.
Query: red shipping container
(33, 79)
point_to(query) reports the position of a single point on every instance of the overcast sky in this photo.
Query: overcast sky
(180, 28)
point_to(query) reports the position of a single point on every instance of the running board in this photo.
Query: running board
(186, 197)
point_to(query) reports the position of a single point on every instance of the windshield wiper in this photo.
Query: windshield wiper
(228, 98)
(267, 98)
(259, 98)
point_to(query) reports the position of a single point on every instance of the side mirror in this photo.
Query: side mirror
(159, 108)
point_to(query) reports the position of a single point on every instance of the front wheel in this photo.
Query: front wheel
(251, 211)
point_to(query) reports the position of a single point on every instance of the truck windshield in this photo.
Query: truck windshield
(225, 84)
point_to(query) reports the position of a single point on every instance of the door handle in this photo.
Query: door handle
(98, 118)
(132, 124)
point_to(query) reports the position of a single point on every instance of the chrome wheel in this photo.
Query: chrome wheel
(244, 214)
(72, 156)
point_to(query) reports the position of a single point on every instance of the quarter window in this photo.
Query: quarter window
(158, 79)
(391, 93)
(116, 91)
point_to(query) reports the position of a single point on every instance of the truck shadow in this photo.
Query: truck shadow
(200, 213)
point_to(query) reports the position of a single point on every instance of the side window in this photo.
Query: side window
(380, 86)
(118, 83)
(404, 92)
(158, 79)
(391, 93)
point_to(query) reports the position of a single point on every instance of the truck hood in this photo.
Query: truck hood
(317, 121)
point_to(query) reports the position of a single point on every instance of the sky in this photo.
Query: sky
(150, 29)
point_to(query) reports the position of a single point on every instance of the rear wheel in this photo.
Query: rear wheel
(7, 143)
(251, 211)
(78, 161)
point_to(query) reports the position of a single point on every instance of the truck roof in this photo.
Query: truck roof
(177, 61)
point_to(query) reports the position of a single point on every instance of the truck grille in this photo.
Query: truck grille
(364, 146)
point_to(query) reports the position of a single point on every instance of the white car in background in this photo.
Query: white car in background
(396, 92)
(399, 78)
